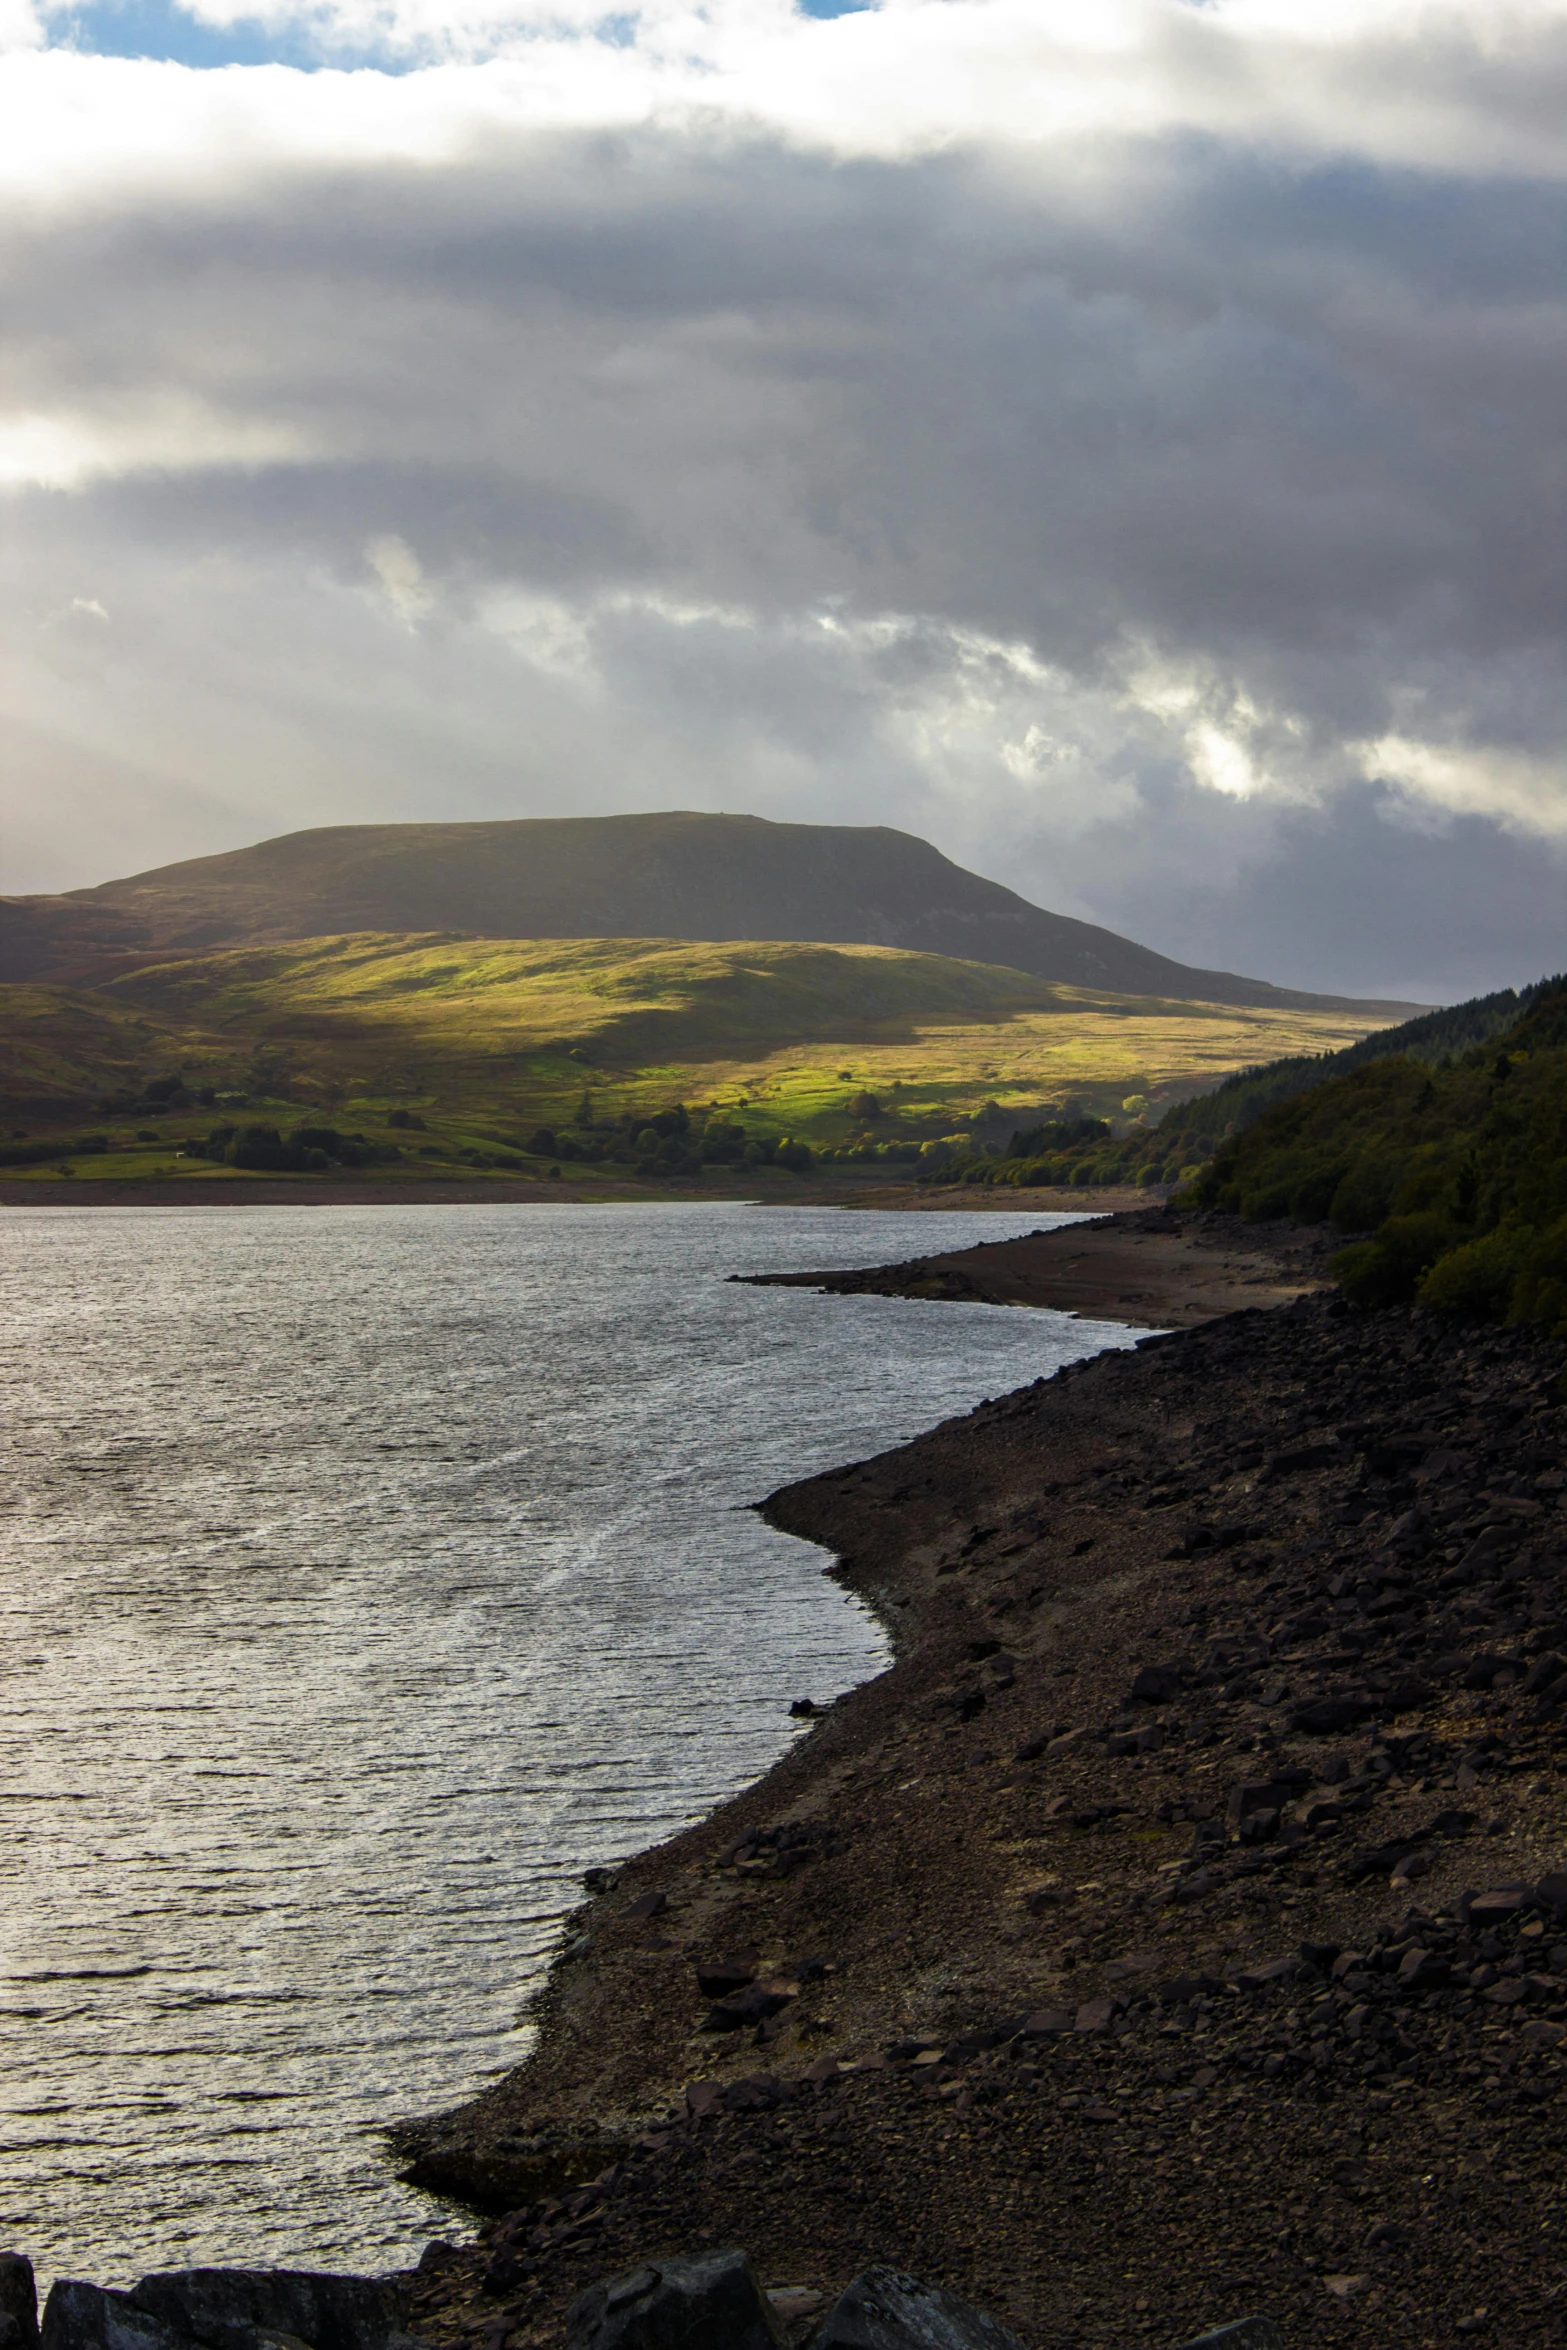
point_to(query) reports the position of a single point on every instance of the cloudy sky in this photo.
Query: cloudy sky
(1121, 440)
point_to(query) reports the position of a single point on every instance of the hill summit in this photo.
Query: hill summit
(679, 875)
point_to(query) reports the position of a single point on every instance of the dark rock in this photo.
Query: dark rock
(223, 2306)
(1320, 1954)
(18, 2303)
(79, 2316)
(1326, 1717)
(1254, 1795)
(720, 1981)
(224, 2309)
(748, 2007)
(885, 2310)
(1423, 1970)
(1273, 1970)
(1484, 1909)
(1156, 1684)
(600, 1880)
(1389, 2235)
(1096, 2015)
(1046, 2023)
(709, 2302)
(1179, 1991)
(649, 1905)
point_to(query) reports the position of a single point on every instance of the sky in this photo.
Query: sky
(1122, 441)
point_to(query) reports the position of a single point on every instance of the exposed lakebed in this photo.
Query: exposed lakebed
(365, 1573)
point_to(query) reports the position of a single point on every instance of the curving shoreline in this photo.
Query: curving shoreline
(1030, 2012)
(1151, 1267)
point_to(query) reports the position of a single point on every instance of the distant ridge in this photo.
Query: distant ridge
(678, 875)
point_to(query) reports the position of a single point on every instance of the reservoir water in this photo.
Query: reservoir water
(365, 1574)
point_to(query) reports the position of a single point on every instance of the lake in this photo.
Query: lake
(366, 1573)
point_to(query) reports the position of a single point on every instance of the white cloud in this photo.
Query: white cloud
(401, 575)
(1521, 789)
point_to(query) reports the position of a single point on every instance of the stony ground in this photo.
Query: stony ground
(1177, 1930)
(1145, 1265)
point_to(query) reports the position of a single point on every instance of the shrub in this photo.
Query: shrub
(1386, 1270)
(1477, 1279)
(1363, 1197)
(542, 1143)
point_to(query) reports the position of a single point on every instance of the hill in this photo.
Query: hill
(672, 876)
(482, 1042)
(1173, 1148)
(1457, 1174)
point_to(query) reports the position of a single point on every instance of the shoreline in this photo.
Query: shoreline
(315, 1192)
(1150, 1268)
(1070, 1959)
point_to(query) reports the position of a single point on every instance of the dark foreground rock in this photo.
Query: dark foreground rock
(711, 2302)
(18, 2303)
(227, 2309)
(886, 2310)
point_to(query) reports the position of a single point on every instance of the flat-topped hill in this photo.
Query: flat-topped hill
(670, 876)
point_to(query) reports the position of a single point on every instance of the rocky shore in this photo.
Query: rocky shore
(1177, 1930)
(1147, 1266)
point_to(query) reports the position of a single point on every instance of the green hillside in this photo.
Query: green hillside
(1173, 1148)
(1457, 1174)
(867, 1051)
(677, 875)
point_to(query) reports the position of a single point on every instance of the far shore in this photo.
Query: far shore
(334, 1191)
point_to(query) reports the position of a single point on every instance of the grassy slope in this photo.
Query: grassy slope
(1459, 1173)
(490, 1038)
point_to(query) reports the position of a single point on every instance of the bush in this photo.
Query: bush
(863, 1107)
(541, 1143)
(406, 1118)
(1313, 1195)
(1477, 1279)
(260, 1148)
(1540, 1291)
(1385, 1271)
(796, 1156)
(35, 1154)
(1363, 1197)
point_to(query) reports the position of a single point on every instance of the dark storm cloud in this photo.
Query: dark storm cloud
(1147, 518)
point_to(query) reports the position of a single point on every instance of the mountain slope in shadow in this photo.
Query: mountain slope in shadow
(677, 875)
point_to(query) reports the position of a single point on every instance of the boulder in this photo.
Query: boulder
(885, 2310)
(18, 2303)
(79, 2316)
(225, 2309)
(711, 2301)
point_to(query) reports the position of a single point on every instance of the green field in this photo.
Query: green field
(487, 1040)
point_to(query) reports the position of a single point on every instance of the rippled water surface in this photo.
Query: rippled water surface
(365, 1573)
